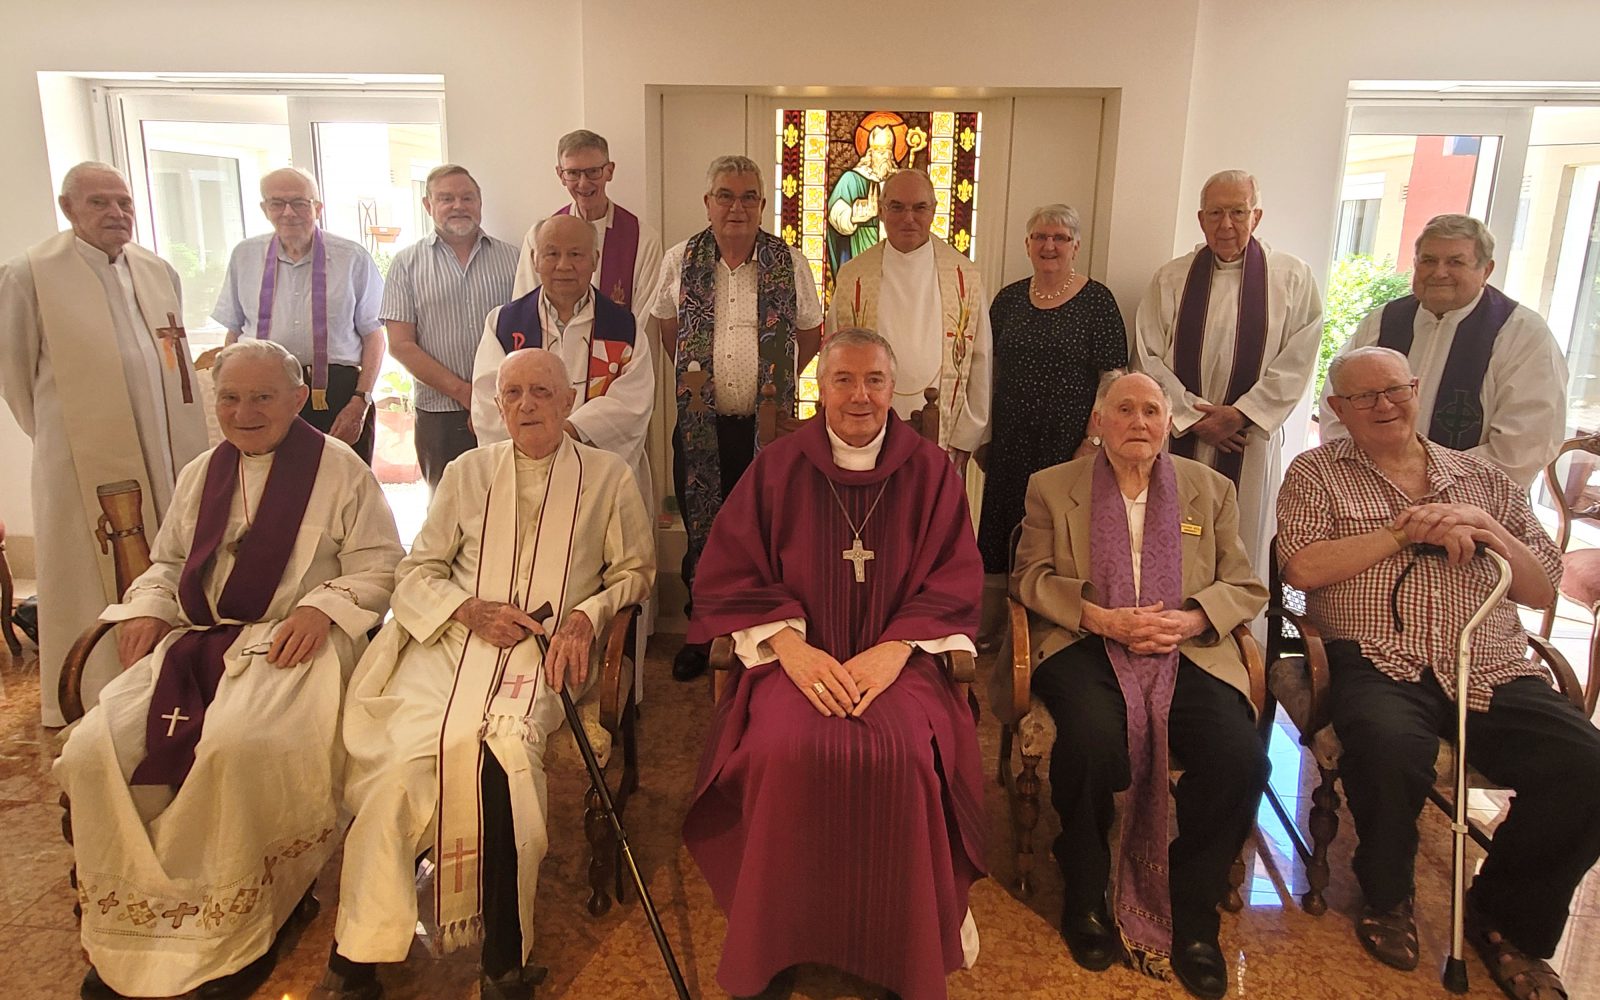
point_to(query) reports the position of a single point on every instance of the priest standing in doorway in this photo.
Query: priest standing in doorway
(96, 370)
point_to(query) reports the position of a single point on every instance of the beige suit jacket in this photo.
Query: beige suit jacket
(1051, 574)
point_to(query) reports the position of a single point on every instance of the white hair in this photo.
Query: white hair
(1055, 215)
(1115, 375)
(69, 183)
(538, 230)
(1337, 366)
(300, 172)
(1232, 177)
(261, 350)
(855, 336)
(550, 356)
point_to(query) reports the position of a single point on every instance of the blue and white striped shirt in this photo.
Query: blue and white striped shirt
(428, 286)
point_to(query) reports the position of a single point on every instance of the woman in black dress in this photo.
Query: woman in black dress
(1054, 334)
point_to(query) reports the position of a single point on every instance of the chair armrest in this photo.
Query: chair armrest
(1254, 667)
(1566, 679)
(723, 663)
(962, 665)
(1316, 659)
(615, 682)
(70, 692)
(1021, 659)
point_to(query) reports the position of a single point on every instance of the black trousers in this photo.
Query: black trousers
(736, 449)
(502, 920)
(341, 385)
(441, 437)
(1210, 730)
(1532, 740)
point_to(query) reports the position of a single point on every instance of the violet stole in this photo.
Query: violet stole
(1457, 419)
(193, 665)
(319, 311)
(1143, 902)
(1249, 342)
(618, 256)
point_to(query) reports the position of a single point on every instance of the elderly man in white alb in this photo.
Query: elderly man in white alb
(125, 406)
(927, 300)
(1230, 330)
(630, 251)
(1491, 379)
(205, 785)
(450, 711)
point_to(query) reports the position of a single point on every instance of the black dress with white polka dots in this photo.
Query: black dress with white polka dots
(1047, 364)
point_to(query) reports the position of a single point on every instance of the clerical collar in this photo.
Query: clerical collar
(852, 459)
(1456, 315)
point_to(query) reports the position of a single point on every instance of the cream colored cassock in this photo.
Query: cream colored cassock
(913, 317)
(179, 891)
(1524, 394)
(1288, 362)
(399, 693)
(646, 264)
(128, 410)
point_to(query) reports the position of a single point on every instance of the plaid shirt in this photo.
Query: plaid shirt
(1335, 491)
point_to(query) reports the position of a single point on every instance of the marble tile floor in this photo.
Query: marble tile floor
(1274, 948)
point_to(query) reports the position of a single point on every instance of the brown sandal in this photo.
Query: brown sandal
(1519, 975)
(1390, 936)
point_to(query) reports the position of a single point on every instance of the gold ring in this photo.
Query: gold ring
(819, 688)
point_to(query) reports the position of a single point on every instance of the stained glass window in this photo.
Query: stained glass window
(830, 170)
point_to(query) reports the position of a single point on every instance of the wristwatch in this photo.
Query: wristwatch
(361, 395)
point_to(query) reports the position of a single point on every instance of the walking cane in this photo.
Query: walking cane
(1454, 975)
(598, 779)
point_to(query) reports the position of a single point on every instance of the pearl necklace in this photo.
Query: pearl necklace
(1033, 286)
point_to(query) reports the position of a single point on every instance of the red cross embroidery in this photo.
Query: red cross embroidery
(606, 362)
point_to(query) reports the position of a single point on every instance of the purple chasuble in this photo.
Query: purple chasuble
(319, 311)
(1249, 343)
(521, 325)
(618, 256)
(193, 665)
(1457, 420)
(851, 842)
(1143, 901)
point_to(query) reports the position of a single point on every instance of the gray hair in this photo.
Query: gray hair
(1459, 227)
(1337, 366)
(917, 171)
(855, 336)
(1233, 177)
(550, 357)
(1113, 376)
(538, 228)
(1056, 214)
(248, 349)
(444, 170)
(69, 183)
(300, 172)
(579, 140)
(732, 164)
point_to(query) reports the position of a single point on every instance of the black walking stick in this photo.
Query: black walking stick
(598, 779)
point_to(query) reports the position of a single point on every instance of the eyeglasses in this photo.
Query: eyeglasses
(726, 198)
(1395, 394)
(1040, 239)
(1237, 215)
(299, 205)
(571, 174)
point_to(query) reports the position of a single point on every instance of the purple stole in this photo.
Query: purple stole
(1457, 420)
(193, 665)
(520, 325)
(319, 311)
(618, 256)
(1143, 903)
(1249, 343)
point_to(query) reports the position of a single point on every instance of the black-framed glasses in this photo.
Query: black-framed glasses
(1396, 394)
(571, 174)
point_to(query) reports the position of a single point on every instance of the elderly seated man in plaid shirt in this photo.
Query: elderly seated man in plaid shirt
(1356, 520)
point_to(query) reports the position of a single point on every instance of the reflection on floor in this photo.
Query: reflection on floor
(1275, 949)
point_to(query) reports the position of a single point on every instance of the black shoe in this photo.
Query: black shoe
(240, 985)
(517, 984)
(1092, 938)
(691, 662)
(95, 988)
(348, 987)
(1200, 968)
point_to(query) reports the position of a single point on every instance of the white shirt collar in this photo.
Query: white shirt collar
(892, 256)
(852, 459)
(551, 319)
(1456, 315)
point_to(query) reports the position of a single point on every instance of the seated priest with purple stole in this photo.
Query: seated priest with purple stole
(452, 707)
(205, 785)
(1131, 566)
(1491, 379)
(838, 815)
(595, 339)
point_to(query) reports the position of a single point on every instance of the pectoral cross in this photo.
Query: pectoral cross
(172, 336)
(173, 720)
(458, 857)
(860, 556)
(516, 684)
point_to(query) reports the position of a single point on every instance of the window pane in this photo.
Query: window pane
(1393, 184)
(370, 174)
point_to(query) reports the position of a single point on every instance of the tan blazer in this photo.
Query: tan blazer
(1051, 574)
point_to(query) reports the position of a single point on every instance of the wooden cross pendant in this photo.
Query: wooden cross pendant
(860, 556)
(173, 338)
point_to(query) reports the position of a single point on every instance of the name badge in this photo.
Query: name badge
(1190, 528)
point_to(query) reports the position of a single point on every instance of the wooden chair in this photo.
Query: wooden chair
(608, 709)
(1567, 481)
(1298, 680)
(1033, 736)
(7, 599)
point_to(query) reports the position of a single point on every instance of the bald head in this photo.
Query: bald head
(565, 228)
(906, 207)
(564, 256)
(535, 399)
(96, 200)
(1131, 413)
